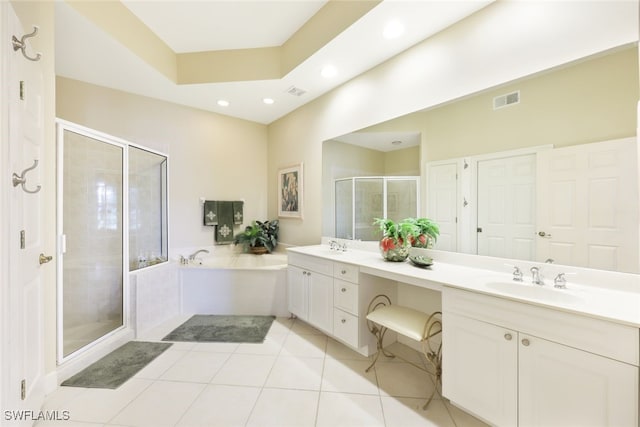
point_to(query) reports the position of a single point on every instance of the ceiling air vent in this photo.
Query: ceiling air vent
(296, 91)
(506, 100)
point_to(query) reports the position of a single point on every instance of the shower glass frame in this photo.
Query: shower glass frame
(384, 199)
(65, 126)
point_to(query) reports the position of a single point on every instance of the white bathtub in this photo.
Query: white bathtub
(235, 284)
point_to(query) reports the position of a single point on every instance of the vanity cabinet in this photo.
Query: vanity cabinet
(310, 290)
(333, 296)
(512, 364)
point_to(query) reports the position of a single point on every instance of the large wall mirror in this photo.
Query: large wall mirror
(542, 168)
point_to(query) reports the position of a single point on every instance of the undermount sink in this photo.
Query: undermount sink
(538, 292)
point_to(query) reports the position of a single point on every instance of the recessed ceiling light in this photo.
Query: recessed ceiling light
(223, 103)
(268, 101)
(393, 29)
(329, 71)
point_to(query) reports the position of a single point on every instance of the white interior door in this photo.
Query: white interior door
(588, 205)
(442, 206)
(506, 207)
(25, 366)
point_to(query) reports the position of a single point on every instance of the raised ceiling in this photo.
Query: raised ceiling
(196, 53)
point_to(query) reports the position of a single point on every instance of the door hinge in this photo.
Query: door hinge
(22, 239)
(22, 90)
(23, 389)
(479, 229)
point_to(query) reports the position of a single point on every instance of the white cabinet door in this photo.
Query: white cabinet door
(320, 288)
(563, 386)
(297, 291)
(480, 368)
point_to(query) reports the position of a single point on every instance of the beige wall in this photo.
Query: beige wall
(460, 61)
(210, 155)
(593, 100)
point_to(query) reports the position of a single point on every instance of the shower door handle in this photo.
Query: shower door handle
(44, 259)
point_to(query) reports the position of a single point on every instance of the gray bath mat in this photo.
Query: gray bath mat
(118, 366)
(217, 328)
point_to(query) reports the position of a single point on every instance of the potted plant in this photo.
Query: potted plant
(425, 232)
(394, 245)
(260, 237)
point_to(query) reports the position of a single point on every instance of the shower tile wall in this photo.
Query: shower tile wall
(92, 223)
(145, 206)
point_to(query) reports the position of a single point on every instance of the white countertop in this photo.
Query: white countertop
(617, 304)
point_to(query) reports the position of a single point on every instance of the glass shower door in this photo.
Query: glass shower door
(91, 297)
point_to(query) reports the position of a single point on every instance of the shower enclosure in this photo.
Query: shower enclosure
(93, 264)
(112, 219)
(359, 200)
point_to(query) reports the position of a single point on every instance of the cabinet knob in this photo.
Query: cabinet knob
(343, 272)
(525, 342)
(344, 321)
(344, 289)
(308, 273)
(508, 337)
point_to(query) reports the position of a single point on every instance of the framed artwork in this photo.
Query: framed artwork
(290, 192)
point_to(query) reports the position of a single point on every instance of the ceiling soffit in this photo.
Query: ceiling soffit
(265, 63)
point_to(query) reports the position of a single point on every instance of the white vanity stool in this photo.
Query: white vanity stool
(414, 324)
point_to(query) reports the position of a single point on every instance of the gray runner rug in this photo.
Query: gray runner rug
(118, 366)
(218, 328)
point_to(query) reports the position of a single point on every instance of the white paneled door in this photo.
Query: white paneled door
(588, 205)
(442, 202)
(506, 207)
(25, 332)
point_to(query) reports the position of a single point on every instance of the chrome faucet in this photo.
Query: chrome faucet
(536, 276)
(333, 245)
(193, 255)
(560, 281)
(517, 274)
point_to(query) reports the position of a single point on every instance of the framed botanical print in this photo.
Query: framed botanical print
(290, 192)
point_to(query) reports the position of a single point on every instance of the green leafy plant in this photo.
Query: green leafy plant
(425, 232)
(260, 234)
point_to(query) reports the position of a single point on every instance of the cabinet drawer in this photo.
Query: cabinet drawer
(307, 262)
(613, 340)
(346, 272)
(345, 296)
(345, 327)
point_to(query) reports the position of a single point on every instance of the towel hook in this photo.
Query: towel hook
(21, 45)
(22, 180)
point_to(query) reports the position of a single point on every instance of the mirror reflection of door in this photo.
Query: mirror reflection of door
(442, 202)
(591, 195)
(506, 207)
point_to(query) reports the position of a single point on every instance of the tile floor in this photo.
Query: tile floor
(297, 377)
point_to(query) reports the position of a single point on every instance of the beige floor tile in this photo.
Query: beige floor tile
(301, 328)
(337, 350)
(348, 376)
(304, 345)
(284, 408)
(296, 373)
(349, 410)
(161, 364)
(281, 325)
(408, 412)
(221, 405)
(403, 380)
(245, 370)
(99, 405)
(271, 345)
(162, 404)
(196, 366)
